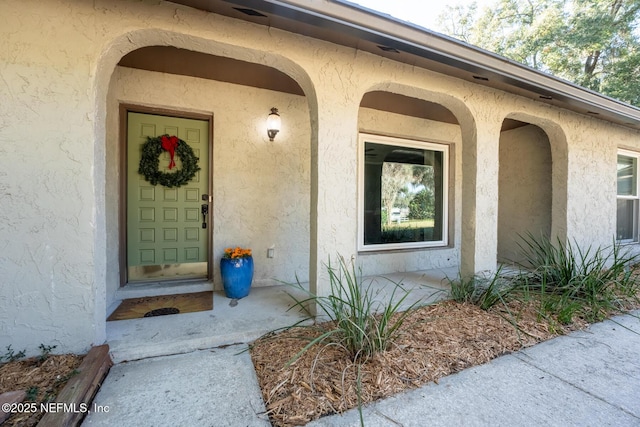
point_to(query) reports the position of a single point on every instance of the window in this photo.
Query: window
(403, 193)
(627, 215)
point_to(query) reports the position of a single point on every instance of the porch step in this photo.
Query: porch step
(157, 289)
(264, 310)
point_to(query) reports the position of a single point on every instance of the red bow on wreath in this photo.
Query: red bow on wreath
(169, 143)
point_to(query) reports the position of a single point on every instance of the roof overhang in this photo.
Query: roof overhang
(351, 25)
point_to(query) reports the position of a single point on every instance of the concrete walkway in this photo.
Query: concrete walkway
(588, 378)
(265, 309)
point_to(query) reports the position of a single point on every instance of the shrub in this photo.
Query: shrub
(483, 291)
(570, 280)
(357, 321)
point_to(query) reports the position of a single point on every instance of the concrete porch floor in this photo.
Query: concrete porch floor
(264, 310)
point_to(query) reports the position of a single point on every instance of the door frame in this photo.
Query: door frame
(124, 109)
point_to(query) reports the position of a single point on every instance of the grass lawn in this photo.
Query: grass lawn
(410, 224)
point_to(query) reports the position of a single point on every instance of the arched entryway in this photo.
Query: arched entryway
(256, 202)
(526, 187)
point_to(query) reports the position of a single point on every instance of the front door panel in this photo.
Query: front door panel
(165, 238)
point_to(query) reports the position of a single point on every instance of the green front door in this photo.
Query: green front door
(165, 235)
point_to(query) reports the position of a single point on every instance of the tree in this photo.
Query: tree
(422, 205)
(593, 43)
(395, 177)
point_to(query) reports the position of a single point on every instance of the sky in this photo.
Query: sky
(421, 12)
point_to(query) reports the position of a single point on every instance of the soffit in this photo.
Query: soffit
(353, 26)
(196, 64)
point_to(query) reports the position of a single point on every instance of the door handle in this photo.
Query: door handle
(204, 208)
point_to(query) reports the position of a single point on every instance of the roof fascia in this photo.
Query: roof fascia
(354, 20)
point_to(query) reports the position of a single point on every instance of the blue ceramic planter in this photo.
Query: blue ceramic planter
(237, 275)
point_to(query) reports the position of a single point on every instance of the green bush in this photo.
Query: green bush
(356, 320)
(483, 291)
(422, 205)
(569, 280)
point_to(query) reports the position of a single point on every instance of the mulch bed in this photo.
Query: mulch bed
(65, 381)
(44, 377)
(436, 341)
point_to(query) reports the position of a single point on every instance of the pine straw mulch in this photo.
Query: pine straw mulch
(49, 376)
(435, 341)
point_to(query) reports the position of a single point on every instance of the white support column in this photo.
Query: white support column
(480, 159)
(333, 187)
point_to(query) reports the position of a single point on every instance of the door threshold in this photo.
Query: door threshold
(154, 289)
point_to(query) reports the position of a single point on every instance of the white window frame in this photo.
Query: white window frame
(410, 143)
(635, 197)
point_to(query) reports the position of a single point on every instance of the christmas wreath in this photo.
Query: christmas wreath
(150, 161)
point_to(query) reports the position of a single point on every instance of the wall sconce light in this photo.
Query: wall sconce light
(273, 123)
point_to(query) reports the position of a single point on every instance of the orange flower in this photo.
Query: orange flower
(237, 252)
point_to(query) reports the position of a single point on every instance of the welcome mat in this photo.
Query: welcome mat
(136, 308)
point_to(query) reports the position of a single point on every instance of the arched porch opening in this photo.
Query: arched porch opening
(408, 181)
(257, 202)
(532, 184)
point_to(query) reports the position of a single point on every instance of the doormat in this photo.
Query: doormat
(136, 308)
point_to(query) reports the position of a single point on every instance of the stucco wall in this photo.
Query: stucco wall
(48, 208)
(524, 189)
(56, 64)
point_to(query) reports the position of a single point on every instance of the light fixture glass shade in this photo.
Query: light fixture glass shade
(273, 123)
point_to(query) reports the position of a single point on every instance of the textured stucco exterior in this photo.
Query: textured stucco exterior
(60, 86)
(524, 189)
